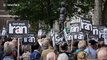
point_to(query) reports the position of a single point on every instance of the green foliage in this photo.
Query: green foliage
(46, 10)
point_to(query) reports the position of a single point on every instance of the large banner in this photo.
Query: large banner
(86, 25)
(16, 28)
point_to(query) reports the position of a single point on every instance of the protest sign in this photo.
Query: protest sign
(101, 32)
(105, 36)
(78, 36)
(29, 40)
(75, 27)
(4, 32)
(95, 30)
(18, 28)
(86, 25)
(93, 37)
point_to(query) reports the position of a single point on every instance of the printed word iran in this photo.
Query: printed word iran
(17, 29)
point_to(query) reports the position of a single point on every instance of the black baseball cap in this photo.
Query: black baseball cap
(92, 42)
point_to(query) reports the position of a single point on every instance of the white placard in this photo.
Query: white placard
(75, 27)
(101, 31)
(105, 36)
(95, 31)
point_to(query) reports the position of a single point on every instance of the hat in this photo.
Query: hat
(92, 42)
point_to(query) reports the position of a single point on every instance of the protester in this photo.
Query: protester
(91, 49)
(63, 56)
(35, 55)
(81, 55)
(51, 56)
(45, 44)
(26, 54)
(102, 53)
(9, 52)
(45, 52)
(74, 46)
(63, 47)
(81, 46)
(101, 44)
(64, 50)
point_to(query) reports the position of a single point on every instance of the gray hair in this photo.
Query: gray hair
(8, 48)
(62, 56)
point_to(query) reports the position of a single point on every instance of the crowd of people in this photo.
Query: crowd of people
(43, 50)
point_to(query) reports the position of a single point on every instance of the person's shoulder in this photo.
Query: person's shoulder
(86, 50)
(8, 58)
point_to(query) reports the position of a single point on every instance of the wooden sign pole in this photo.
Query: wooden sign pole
(71, 42)
(18, 52)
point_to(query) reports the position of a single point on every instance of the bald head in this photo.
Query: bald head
(51, 56)
(102, 53)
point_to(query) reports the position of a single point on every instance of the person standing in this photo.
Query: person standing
(91, 50)
(102, 53)
(45, 52)
(9, 52)
(35, 55)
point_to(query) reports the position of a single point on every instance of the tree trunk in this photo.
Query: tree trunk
(104, 14)
(97, 12)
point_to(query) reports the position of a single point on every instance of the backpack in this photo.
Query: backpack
(35, 55)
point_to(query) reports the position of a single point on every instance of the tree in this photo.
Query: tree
(97, 12)
(47, 10)
(104, 14)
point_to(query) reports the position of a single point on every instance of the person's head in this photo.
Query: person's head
(62, 56)
(102, 53)
(27, 48)
(35, 46)
(93, 44)
(81, 55)
(45, 44)
(82, 45)
(64, 46)
(9, 49)
(101, 44)
(51, 56)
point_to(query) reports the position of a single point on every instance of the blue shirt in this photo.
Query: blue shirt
(35, 55)
(92, 52)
